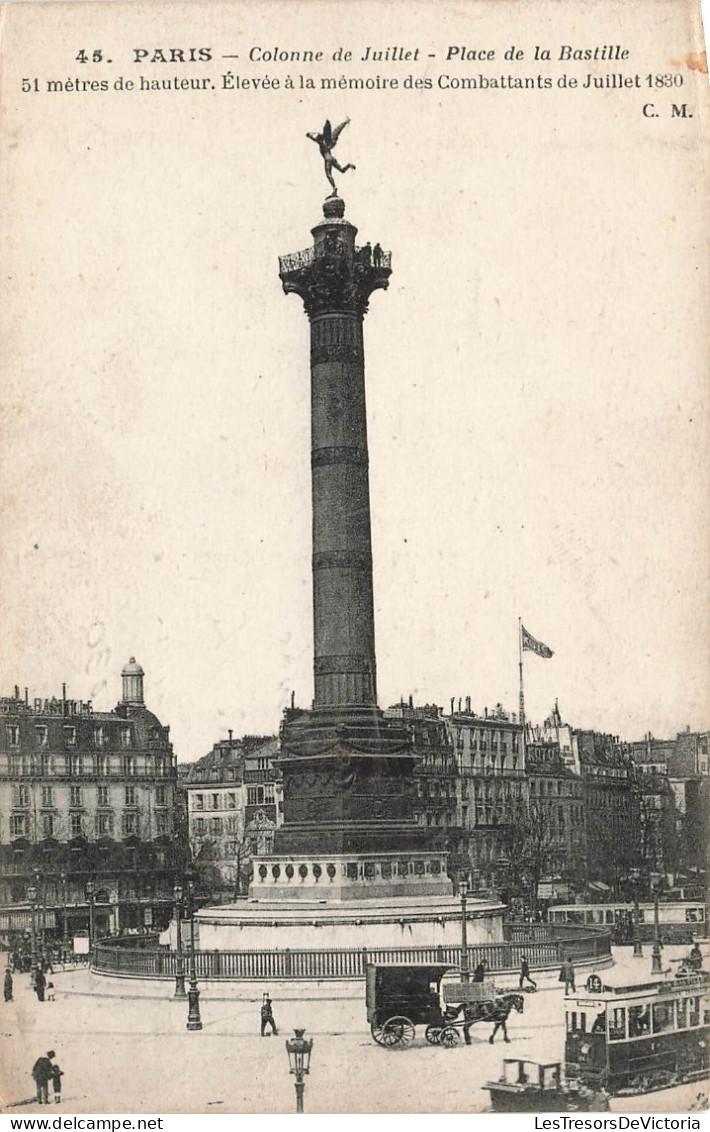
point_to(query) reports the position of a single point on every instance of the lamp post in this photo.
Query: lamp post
(180, 961)
(65, 926)
(463, 893)
(32, 897)
(41, 943)
(299, 1059)
(194, 1022)
(634, 877)
(92, 930)
(656, 967)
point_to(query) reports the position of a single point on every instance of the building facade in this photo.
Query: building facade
(555, 828)
(87, 796)
(435, 772)
(493, 790)
(234, 805)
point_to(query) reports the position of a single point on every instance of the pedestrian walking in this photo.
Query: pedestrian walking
(267, 1016)
(42, 1074)
(525, 974)
(7, 985)
(40, 984)
(57, 1075)
(567, 975)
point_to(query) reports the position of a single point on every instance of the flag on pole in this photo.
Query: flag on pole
(535, 646)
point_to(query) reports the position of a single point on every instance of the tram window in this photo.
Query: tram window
(682, 1015)
(693, 915)
(599, 1023)
(598, 916)
(694, 1011)
(589, 916)
(617, 1025)
(583, 1022)
(642, 916)
(662, 1016)
(639, 1021)
(576, 918)
(609, 917)
(571, 1021)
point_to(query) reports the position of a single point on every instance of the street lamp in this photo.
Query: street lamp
(41, 933)
(32, 897)
(92, 930)
(634, 877)
(463, 893)
(180, 961)
(656, 968)
(194, 1022)
(65, 926)
(299, 1058)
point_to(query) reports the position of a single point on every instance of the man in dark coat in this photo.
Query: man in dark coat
(42, 1073)
(566, 975)
(7, 986)
(525, 974)
(267, 1016)
(40, 984)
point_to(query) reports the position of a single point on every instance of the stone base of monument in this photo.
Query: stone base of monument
(341, 877)
(372, 924)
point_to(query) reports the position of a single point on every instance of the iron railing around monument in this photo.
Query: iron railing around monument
(583, 947)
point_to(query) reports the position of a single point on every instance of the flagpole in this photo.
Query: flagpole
(520, 665)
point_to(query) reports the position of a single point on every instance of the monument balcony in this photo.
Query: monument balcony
(295, 262)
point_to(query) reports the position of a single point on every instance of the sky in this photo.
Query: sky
(536, 375)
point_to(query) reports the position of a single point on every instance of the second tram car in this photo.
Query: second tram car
(638, 1038)
(678, 921)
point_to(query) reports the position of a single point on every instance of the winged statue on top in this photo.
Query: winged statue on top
(326, 141)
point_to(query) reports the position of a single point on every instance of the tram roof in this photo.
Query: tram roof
(617, 983)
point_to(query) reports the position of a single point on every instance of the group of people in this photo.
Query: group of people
(44, 1070)
(21, 956)
(479, 974)
(370, 255)
(39, 984)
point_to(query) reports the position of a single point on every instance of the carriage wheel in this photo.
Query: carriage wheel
(394, 1032)
(378, 1033)
(449, 1037)
(403, 1028)
(432, 1035)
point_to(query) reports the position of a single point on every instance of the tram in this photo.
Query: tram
(639, 1038)
(679, 921)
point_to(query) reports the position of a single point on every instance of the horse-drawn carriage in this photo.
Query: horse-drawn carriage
(401, 998)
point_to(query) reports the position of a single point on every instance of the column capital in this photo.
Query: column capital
(335, 275)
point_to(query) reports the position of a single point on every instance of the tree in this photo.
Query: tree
(209, 878)
(532, 850)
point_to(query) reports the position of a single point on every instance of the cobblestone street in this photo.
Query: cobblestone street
(123, 1047)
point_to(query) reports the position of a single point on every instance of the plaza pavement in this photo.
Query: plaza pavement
(124, 1048)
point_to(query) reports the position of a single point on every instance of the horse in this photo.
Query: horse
(495, 1010)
